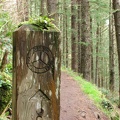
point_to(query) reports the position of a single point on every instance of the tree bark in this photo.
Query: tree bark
(23, 10)
(73, 37)
(97, 52)
(43, 7)
(111, 51)
(92, 53)
(4, 61)
(86, 41)
(116, 6)
(52, 8)
(66, 25)
(79, 35)
(64, 35)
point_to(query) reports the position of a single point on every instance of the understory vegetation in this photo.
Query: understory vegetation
(6, 29)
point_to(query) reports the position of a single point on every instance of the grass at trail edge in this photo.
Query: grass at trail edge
(89, 89)
(94, 94)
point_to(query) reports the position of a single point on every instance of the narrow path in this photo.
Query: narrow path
(75, 105)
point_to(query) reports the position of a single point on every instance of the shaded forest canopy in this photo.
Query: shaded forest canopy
(89, 38)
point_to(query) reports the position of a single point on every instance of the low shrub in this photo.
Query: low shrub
(5, 93)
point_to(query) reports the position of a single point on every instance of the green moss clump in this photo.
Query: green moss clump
(5, 94)
(42, 22)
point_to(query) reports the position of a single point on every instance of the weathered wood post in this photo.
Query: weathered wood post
(36, 74)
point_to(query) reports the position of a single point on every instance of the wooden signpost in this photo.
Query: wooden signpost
(36, 74)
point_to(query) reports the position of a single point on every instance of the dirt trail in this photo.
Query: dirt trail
(75, 105)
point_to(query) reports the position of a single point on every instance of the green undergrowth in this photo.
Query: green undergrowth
(5, 90)
(3, 117)
(96, 95)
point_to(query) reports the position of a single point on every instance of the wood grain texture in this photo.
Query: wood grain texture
(35, 96)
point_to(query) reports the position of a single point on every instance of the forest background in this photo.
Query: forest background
(89, 39)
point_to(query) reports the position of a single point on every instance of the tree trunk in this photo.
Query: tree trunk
(79, 35)
(116, 6)
(86, 41)
(4, 61)
(22, 9)
(30, 8)
(65, 27)
(26, 10)
(52, 7)
(66, 38)
(92, 54)
(97, 52)
(43, 7)
(100, 58)
(64, 35)
(103, 77)
(111, 51)
(73, 36)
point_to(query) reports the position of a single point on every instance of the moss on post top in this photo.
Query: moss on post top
(30, 27)
(42, 23)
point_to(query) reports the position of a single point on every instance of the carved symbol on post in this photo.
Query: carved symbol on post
(39, 59)
(40, 113)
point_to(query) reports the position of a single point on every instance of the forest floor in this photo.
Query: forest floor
(75, 105)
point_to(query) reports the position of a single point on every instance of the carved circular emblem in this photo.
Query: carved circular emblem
(39, 59)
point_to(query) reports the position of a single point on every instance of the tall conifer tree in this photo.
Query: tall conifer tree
(86, 40)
